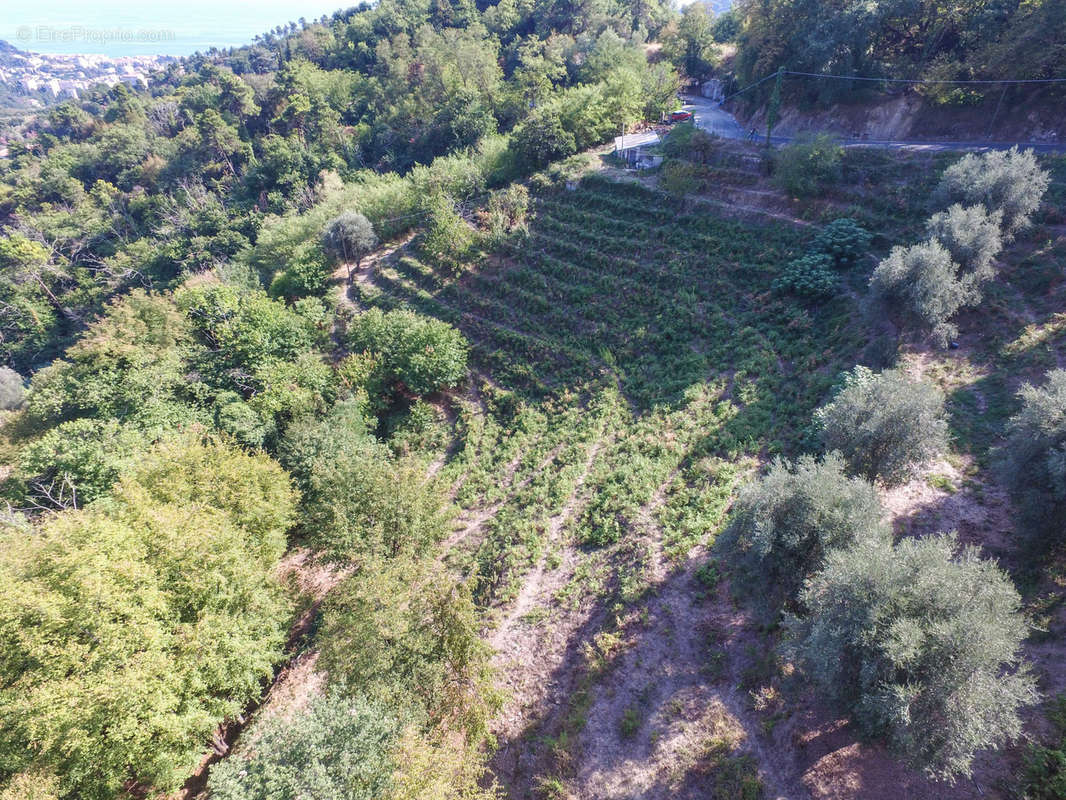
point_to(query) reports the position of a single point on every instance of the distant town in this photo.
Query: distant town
(51, 76)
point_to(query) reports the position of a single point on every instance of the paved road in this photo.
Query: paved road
(714, 119)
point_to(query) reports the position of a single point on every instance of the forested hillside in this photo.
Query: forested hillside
(370, 432)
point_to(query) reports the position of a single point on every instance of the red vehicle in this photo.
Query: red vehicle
(680, 116)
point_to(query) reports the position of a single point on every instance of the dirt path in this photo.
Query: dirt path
(364, 275)
(673, 696)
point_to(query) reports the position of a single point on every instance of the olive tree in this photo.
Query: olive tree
(348, 239)
(922, 280)
(974, 238)
(784, 525)
(1033, 459)
(920, 644)
(12, 389)
(1010, 182)
(884, 424)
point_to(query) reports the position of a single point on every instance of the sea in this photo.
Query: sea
(162, 27)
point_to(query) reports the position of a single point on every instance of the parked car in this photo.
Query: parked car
(680, 116)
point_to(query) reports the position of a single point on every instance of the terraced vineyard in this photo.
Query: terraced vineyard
(633, 366)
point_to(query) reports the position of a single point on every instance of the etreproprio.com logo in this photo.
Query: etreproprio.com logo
(91, 35)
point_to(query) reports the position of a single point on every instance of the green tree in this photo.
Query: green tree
(690, 44)
(424, 354)
(541, 139)
(121, 653)
(785, 524)
(407, 633)
(884, 424)
(920, 644)
(76, 462)
(336, 747)
(130, 358)
(1033, 459)
(348, 239)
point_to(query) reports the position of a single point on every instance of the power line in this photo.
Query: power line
(913, 81)
(907, 81)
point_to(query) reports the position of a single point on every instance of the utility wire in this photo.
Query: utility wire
(920, 81)
(908, 81)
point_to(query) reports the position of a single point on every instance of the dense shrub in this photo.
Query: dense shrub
(679, 177)
(348, 239)
(923, 280)
(12, 389)
(806, 166)
(809, 276)
(784, 525)
(920, 645)
(130, 686)
(1033, 459)
(364, 503)
(424, 354)
(1044, 774)
(688, 142)
(1010, 182)
(336, 747)
(885, 425)
(844, 240)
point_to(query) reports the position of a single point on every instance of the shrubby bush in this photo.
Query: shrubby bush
(844, 240)
(130, 686)
(12, 390)
(884, 424)
(507, 210)
(924, 280)
(337, 747)
(1010, 182)
(407, 633)
(806, 166)
(679, 177)
(809, 276)
(785, 524)
(1043, 776)
(690, 143)
(424, 354)
(1033, 459)
(920, 645)
(348, 239)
